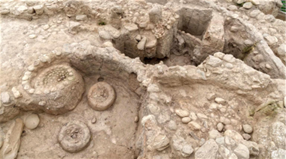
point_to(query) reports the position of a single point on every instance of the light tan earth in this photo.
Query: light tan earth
(192, 79)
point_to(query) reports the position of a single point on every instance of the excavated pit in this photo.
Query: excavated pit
(194, 21)
(118, 134)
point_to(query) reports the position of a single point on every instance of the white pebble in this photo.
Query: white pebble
(247, 128)
(32, 36)
(182, 113)
(16, 93)
(219, 100)
(186, 120)
(194, 125)
(5, 97)
(32, 121)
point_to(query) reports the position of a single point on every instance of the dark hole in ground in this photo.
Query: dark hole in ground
(152, 61)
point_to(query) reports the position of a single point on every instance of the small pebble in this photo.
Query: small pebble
(80, 17)
(201, 116)
(247, 5)
(219, 100)
(186, 120)
(93, 121)
(16, 93)
(182, 113)
(5, 97)
(172, 125)
(220, 126)
(246, 136)
(32, 121)
(42, 103)
(193, 116)
(187, 150)
(136, 119)
(194, 125)
(268, 66)
(247, 128)
(32, 36)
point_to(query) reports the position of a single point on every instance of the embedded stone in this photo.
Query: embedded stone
(247, 128)
(32, 121)
(194, 125)
(207, 151)
(186, 120)
(182, 113)
(187, 150)
(247, 5)
(80, 17)
(5, 98)
(242, 151)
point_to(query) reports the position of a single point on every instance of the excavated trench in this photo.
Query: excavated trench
(197, 34)
(116, 127)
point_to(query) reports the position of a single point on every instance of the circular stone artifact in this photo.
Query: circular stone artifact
(101, 96)
(57, 89)
(32, 121)
(74, 136)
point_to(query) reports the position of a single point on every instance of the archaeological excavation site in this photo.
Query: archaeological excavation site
(142, 79)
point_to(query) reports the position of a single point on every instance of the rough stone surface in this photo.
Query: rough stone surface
(247, 5)
(182, 113)
(5, 98)
(207, 151)
(242, 151)
(247, 128)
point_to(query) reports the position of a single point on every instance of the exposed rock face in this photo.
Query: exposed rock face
(12, 140)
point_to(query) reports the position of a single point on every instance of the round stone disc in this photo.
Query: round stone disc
(101, 96)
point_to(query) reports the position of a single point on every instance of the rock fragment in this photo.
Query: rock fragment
(141, 44)
(233, 134)
(182, 113)
(242, 151)
(161, 142)
(219, 100)
(187, 150)
(172, 125)
(247, 128)
(39, 9)
(5, 98)
(220, 126)
(214, 134)
(186, 120)
(194, 125)
(247, 5)
(81, 17)
(207, 151)
(223, 151)
(246, 136)
(12, 140)
(104, 35)
(32, 121)
(4, 11)
(155, 14)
